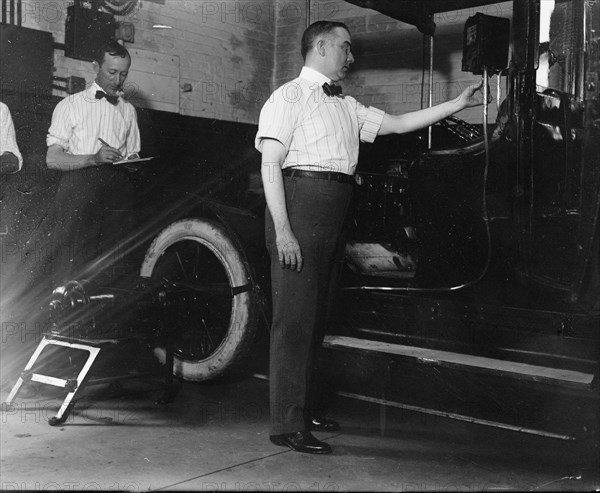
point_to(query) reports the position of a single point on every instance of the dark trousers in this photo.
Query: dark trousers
(94, 214)
(316, 210)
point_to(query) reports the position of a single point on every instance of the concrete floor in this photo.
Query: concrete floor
(216, 438)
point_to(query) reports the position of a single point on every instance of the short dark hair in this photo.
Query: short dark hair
(315, 30)
(113, 49)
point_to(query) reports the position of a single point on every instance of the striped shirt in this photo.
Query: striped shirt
(8, 140)
(79, 120)
(319, 132)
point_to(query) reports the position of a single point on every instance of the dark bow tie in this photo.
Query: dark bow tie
(111, 99)
(332, 89)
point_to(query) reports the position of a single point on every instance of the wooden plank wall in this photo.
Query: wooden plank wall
(225, 52)
(154, 81)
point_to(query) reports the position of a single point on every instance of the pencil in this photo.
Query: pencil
(104, 143)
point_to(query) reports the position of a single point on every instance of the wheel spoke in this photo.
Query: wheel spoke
(207, 332)
(196, 263)
(188, 266)
(181, 264)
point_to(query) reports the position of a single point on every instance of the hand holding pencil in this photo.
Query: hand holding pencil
(107, 153)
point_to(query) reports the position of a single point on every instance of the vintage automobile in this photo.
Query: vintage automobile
(472, 254)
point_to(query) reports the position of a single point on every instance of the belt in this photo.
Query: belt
(319, 175)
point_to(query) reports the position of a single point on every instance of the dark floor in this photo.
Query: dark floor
(216, 438)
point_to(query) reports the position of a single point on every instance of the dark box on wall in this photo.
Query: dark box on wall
(485, 43)
(26, 64)
(86, 30)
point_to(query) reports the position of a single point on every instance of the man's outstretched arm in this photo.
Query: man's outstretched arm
(416, 120)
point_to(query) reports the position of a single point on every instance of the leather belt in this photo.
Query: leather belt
(319, 175)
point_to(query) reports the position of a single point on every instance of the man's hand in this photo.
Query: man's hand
(473, 95)
(416, 120)
(107, 154)
(132, 167)
(288, 251)
(9, 163)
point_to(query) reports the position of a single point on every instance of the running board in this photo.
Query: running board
(569, 378)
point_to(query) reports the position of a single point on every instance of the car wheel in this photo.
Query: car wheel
(218, 319)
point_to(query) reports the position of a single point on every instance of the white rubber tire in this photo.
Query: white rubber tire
(236, 345)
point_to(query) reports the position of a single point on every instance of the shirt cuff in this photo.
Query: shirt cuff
(258, 141)
(372, 124)
(52, 139)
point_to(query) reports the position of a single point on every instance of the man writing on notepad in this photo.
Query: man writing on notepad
(90, 131)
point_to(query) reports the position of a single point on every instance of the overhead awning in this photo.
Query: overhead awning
(419, 13)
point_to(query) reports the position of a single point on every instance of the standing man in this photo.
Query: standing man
(89, 132)
(10, 157)
(309, 136)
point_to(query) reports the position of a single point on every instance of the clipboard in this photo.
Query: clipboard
(136, 160)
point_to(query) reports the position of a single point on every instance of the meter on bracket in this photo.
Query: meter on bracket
(485, 44)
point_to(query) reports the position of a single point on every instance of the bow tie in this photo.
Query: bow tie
(332, 89)
(111, 99)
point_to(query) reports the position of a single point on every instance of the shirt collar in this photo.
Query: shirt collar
(313, 75)
(95, 87)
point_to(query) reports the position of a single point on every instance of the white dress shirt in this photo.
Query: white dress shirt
(8, 140)
(319, 132)
(79, 120)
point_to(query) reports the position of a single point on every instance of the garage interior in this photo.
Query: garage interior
(413, 419)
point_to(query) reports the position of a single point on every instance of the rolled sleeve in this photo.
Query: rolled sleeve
(61, 127)
(278, 117)
(8, 139)
(370, 120)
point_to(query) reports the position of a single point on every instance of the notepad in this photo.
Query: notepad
(136, 160)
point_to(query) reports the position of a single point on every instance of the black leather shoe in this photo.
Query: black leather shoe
(322, 424)
(301, 441)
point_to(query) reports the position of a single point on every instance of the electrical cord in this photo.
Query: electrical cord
(484, 217)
